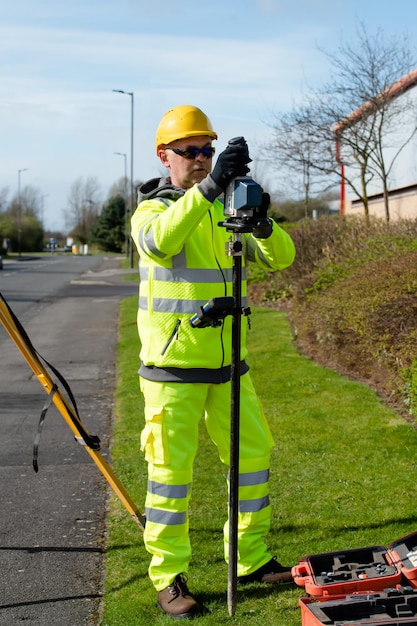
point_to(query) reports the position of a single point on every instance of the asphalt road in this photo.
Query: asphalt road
(53, 523)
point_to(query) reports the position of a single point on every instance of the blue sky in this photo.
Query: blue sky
(236, 59)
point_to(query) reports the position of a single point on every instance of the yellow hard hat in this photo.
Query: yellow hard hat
(183, 121)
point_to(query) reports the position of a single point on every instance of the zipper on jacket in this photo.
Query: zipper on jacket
(174, 335)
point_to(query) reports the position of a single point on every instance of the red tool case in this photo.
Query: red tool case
(341, 573)
(404, 551)
(361, 569)
(392, 607)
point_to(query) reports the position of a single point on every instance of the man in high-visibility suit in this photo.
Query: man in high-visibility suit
(185, 372)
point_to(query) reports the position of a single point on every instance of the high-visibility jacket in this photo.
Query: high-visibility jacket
(183, 263)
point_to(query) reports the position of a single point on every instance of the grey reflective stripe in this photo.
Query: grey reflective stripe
(183, 275)
(146, 240)
(253, 478)
(144, 272)
(168, 491)
(253, 506)
(143, 303)
(150, 243)
(263, 259)
(169, 305)
(179, 260)
(168, 518)
(249, 479)
(251, 255)
(166, 305)
(195, 275)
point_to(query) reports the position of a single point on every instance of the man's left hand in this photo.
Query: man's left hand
(263, 227)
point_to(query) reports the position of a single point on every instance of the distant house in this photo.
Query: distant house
(402, 204)
(402, 201)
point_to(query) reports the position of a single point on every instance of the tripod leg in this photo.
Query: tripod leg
(65, 409)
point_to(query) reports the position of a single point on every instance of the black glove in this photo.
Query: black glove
(263, 225)
(230, 163)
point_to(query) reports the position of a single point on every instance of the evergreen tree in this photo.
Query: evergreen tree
(109, 231)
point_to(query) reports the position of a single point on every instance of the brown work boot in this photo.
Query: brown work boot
(176, 600)
(272, 572)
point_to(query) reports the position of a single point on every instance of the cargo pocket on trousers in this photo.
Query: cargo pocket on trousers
(152, 438)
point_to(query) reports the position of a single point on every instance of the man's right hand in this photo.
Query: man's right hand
(230, 163)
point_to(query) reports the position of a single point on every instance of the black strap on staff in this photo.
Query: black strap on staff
(92, 441)
(37, 441)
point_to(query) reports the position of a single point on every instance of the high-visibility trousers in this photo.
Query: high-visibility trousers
(170, 440)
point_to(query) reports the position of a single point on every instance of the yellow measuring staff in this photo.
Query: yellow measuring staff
(91, 443)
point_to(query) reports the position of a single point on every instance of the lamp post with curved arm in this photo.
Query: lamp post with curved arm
(132, 193)
(123, 154)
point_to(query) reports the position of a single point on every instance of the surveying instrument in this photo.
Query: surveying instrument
(244, 210)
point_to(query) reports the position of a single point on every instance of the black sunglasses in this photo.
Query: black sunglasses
(191, 152)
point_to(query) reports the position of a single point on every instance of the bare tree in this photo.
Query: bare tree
(4, 192)
(120, 188)
(30, 202)
(83, 206)
(355, 118)
(299, 148)
(370, 77)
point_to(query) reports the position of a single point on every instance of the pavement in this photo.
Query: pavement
(53, 523)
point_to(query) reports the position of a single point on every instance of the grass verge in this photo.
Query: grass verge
(342, 477)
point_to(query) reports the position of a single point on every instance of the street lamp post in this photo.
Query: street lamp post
(19, 213)
(123, 154)
(132, 193)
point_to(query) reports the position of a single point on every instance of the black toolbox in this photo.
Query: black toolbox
(392, 607)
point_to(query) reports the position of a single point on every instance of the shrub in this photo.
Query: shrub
(353, 293)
